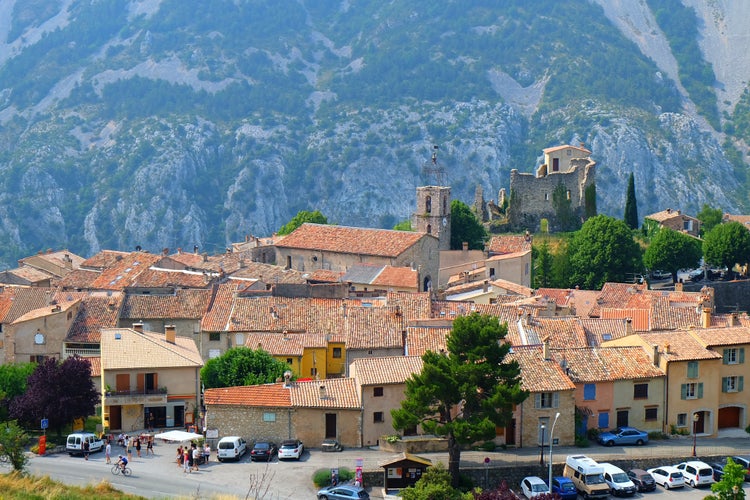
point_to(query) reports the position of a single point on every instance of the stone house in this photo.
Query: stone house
(381, 386)
(338, 248)
(672, 219)
(147, 374)
(377, 280)
(509, 259)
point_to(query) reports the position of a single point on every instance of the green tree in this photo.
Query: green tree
(13, 441)
(671, 251)
(563, 209)
(435, 484)
(242, 366)
(404, 225)
(603, 251)
(730, 485)
(13, 379)
(542, 265)
(631, 205)
(466, 227)
(303, 216)
(560, 269)
(726, 245)
(467, 392)
(710, 218)
(589, 197)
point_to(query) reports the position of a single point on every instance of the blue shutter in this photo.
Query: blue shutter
(725, 357)
(740, 383)
(589, 392)
(724, 383)
(700, 389)
(604, 420)
(683, 391)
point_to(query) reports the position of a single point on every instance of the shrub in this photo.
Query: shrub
(593, 433)
(393, 438)
(322, 477)
(487, 446)
(582, 442)
(657, 435)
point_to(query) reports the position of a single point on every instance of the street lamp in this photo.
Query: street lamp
(695, 422)
(541, 449)
(551, 434)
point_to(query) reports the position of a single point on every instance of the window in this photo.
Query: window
(546, 400)
(640, 391)
(428, 204)
(732, 384)
(734, 356)
(546, 196)
(214, 353)
(691, 391)
(682, 420)
(589, 392)
(289, 361)
(377, 417)
(214, 336)
(651, 414)
(269, 417)
(377, 392)
(313, 372)
(336, 352)
(429, 228)
(692, 369)
(567, 195)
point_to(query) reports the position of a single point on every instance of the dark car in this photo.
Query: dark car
(642, 480)
(718, 469)
(263, 450)
(564, 487)
(745, 462)
(623, 435)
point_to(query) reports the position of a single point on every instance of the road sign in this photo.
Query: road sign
(45, 423)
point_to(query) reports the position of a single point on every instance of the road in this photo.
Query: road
(159, 476)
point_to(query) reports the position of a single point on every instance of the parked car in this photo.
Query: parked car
(696, 473)
(331, 445)
(623, 435)
(642, 480)
(667, 476)
(343, 492)
(74, 443)
(291, 448)
(533, 486)
(263, 450)
(231, 448)
(564, 487)
(619, 482)
(745, 462)
(718, 469)
(660, 275)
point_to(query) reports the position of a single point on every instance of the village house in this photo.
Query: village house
(509, 259)
(674, 220)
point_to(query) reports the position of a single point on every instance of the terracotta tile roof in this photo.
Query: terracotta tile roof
(682, 346)
(509, 244)
(182, 304)
(265, 396)
(63, 259)
(354, 240)
(276, 314)
(124, 272)
(224, 262)
(742, 219)
(717, 337)
(413, 306)
(512, 287)
(160, 278)
(385, 370)
(640, 318)
(270, 274)
(420, 339)
(325, 276)
(103, 260)
(603, 364)
(538, 374)
(96, 366)
(561, 296)
(339, 393)
(400, 277)
(566, 146)
(666, 214)
(277, 344)
(80, 279)
(373, 327)
(27, 274)
(97, 311)
(583, 301)
(219, 309)
(561, 332)
(124, 348)
(601, 330)
(25, 300)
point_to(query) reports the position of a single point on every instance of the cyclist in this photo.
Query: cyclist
(122, 462)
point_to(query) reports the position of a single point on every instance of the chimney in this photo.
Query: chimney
(706, 317)
(195, 249)
(287, 379)
(678, 287)
(205, 257)
(323, 392)
(656, 355)
(169, 332)
(735, 321)
(485, 286)
(138, 327)
(628, 326)
(465, 246)
(547, 354)
(179, 250)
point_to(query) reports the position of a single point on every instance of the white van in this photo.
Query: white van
(618, 481)
(74, 443)
(696, 473)
(231, 448)
(587, 475)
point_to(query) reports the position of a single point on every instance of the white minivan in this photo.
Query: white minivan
(696, 473)
(619, 482)
(231, 448)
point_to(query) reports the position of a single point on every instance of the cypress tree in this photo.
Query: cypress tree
(631, 206)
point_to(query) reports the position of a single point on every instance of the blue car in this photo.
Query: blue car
(564, 487)
(623, 435)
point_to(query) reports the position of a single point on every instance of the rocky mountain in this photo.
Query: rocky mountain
(174, 123)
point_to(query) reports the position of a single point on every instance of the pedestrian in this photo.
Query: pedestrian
(196, 456)
(129, 445)
(138, 447)
(86, 448)
(150, 446)
(151, 422)
(179, 456)
(207, 452)
(186, 458)
(108, 452)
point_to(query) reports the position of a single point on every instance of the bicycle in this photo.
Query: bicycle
(116, 469)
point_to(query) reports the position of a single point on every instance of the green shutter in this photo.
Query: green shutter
(740, 383)
(742, 354)
(700, 390)
(683, 391)
(725, 357)
(555, 400)
(724, 383)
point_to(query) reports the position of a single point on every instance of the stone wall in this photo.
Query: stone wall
(729, 296)
(248, 422)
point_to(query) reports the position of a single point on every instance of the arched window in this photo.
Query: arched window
(429, 228)
(428, 204)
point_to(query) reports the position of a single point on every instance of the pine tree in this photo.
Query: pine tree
(631, 206)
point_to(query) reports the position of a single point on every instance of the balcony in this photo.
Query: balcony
(149, 397)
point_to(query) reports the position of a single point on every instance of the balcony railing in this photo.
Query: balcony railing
(150, 396)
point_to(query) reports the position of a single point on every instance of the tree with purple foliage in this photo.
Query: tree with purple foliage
(57, 391)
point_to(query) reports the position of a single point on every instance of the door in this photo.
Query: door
(729, 417)
(330, 425)
(122, 383)
(700, 423)
(622, 418)
(115, 418)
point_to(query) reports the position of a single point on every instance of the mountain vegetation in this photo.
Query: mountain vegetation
(166, 123)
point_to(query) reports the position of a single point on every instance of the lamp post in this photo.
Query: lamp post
(695, 422)
(551, 435)
(541, 449)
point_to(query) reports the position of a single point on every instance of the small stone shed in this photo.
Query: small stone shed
(403, 470)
